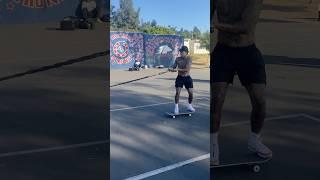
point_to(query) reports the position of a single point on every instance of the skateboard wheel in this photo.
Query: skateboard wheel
(256, 168)
(189, 114)
(173, 117)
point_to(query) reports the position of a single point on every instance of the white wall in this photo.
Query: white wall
(198, 50)
(194, 47)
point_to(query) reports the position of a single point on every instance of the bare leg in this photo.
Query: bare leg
(190, 92)
(178, 90)
(258, 113)
(258, 102)
(218, 94)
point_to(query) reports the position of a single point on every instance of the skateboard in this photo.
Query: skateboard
(254, 165)
(180, 114)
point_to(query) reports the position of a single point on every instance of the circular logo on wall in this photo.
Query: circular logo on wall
(120, 48)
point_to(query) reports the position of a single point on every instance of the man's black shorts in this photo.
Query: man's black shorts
(247, 62)
(185, 81)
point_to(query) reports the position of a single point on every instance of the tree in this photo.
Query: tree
(180, 32)
(187, 34)
(144, 25)
(112, 17)
(173, 28)
(205, 40)
(196, 33)
(153, 28)
(158, 30)
(126, 17)
(154, 23)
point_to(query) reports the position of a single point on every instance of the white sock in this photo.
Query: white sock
(176, 106)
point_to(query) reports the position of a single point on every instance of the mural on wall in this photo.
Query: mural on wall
(152, 50)
(125, 49)
(33, 3)
(20, 11)
(162, 49)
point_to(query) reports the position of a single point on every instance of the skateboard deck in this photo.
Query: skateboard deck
(180, 114)
(253, 162)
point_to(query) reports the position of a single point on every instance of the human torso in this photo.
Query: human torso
(183, 63)
(230, 12)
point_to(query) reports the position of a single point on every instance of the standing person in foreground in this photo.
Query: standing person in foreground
(183, 66)
(236, 53)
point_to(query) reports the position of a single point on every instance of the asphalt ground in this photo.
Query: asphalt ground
(53, 101)
(140, 151)
(145, 142)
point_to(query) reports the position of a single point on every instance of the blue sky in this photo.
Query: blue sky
(180, 13)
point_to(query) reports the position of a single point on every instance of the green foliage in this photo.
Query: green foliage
(196, 33)
(126, 17)
(187, 34)
(205, 40)
(154, 23)
(158, 30)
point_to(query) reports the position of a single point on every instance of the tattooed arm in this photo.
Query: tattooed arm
(174, 66)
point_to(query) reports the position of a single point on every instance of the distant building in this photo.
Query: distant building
(194, 46)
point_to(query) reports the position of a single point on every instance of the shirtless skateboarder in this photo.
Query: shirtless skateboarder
(183, 66)
(236, 53)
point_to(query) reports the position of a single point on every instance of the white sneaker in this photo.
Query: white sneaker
(256, 146)
(214, 152)
(176, 109)
(190, 108)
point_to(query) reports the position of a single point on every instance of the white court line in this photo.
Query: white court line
(17, 153)
(206, 156)
(170, 167)
(137, 107)
(311, 117)
(143, 106)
